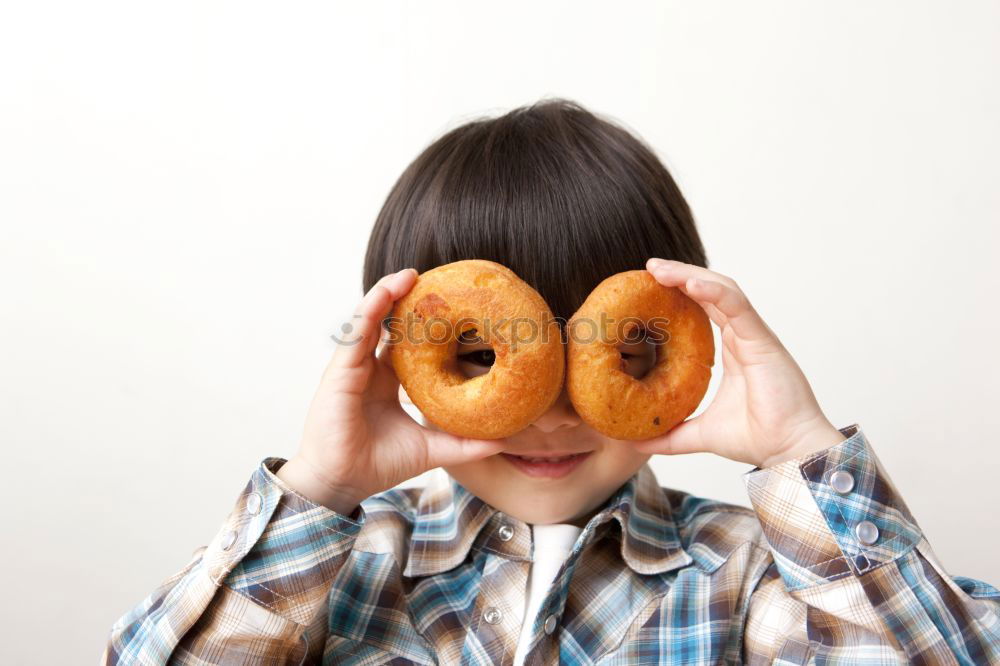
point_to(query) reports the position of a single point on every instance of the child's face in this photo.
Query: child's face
(573, 498)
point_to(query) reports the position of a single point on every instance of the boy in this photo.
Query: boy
(323, 560)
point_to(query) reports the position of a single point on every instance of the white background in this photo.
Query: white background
(186, 191)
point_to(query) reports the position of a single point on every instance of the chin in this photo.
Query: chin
(543, 516)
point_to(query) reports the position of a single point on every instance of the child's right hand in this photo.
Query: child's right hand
(357, 440)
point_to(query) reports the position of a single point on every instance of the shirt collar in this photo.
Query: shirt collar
(450, 521)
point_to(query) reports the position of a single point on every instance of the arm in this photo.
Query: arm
(258, 592)
(854, 579)
(252, 592)
(832, 591)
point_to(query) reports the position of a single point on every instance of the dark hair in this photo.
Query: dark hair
(560, 196)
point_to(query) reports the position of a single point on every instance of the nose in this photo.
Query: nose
(559, 416)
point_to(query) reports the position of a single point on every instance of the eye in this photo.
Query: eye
(483, 357)
(475, 357)
(638, 355)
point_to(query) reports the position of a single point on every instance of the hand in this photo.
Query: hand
(764, 412)
(358, 441)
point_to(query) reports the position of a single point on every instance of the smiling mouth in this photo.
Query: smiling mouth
(547, 467)
(548, 458)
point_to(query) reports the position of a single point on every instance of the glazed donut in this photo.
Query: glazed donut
(620, 309)
(506, 313)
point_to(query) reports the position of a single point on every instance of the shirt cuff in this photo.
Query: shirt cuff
(831, 514)
(279, 548)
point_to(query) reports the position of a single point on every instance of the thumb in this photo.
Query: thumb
(446, 449)
(683, 438)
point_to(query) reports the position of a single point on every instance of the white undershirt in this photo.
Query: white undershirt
(553, 544)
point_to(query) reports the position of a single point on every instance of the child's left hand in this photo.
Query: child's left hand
(764, 412)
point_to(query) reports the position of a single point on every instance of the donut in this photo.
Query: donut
(490, 301)
(620, 309)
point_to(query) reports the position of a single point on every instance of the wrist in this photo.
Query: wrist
(300, 476)
(814, 438)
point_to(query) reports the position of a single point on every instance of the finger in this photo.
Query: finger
(361, 335)
(446, 449)
(684, 438)
(385, 356)
(384, 349)
(677, 272)
(733, 303)
(386, 384)
(713, 312)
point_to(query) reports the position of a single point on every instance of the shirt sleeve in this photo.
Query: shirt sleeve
(251, 594)
(853, 579)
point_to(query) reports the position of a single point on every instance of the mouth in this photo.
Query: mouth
(547, 467)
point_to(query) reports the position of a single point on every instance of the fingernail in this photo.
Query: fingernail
(654, 262)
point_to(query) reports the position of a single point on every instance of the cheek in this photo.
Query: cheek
(616, 461)
(480, 476)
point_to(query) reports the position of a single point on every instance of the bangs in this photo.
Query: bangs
(561, 197)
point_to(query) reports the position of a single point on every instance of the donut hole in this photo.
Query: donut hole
(474, 357)
(638, 354)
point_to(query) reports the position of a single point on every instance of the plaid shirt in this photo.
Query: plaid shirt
(824, 569)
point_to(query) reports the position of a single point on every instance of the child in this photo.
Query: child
(323, 560)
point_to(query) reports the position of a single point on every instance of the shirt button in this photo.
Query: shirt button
(866, 532)
(228, 539)
(505, 532)
(492, 615)
(254, 503)
(550, 623)
(842, 482)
